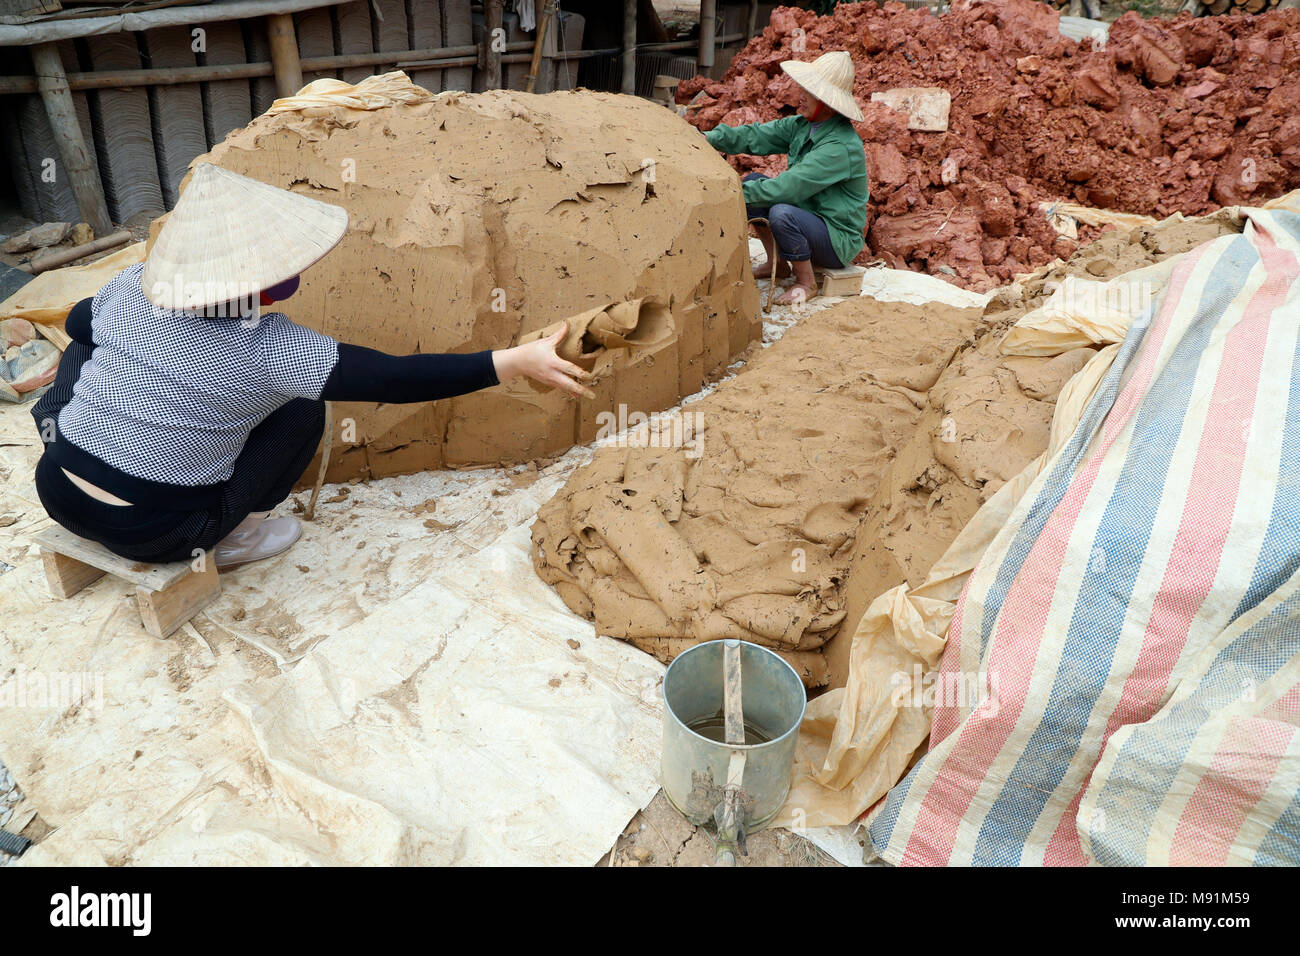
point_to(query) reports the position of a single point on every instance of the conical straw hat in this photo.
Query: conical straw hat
(230, 237)
(830, 79)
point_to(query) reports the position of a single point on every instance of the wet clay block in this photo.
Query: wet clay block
(477, 219)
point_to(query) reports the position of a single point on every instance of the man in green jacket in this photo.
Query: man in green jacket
(817, 208)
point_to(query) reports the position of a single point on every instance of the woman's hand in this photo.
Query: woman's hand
(539, 362)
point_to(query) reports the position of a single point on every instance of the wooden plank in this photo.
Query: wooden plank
(493, 20)
(163, 610)
(56, 335)
(65, 576)
(156, 577)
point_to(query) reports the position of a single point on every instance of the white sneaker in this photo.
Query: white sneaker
(273, 536)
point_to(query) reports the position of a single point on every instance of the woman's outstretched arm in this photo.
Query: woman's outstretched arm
(368, 375)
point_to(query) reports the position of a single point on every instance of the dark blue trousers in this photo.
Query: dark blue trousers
(800, 235)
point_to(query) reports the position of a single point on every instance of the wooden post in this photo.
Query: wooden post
(52, 83)
(284, 54)
(543, 22)
(53, 258)
(492, 22)
(708, 30)
(629, 46)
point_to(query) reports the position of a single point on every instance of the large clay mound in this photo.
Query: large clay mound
(841, 461)
(741, 522)
(476, 219)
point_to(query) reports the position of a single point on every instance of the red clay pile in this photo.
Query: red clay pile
(1165, 116)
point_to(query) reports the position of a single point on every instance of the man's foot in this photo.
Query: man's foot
(797, 294)
(765, 270)
(269, 538)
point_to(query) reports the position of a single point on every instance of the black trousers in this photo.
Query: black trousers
(277, 452)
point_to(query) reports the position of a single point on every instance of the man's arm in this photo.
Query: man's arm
(821, 168)
(756, 139)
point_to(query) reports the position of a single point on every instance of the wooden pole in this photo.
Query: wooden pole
(52, 259)
(708, 31)
(752, 29)
(629, 46)
(437, 56)
(52, 83)
(492, 53)
(547, 12)
(284, 54)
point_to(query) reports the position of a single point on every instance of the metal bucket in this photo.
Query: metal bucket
(694, 766)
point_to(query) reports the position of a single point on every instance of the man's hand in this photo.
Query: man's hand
(538, 361)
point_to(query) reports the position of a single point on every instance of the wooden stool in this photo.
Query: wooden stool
(168, 594)
(846, 281)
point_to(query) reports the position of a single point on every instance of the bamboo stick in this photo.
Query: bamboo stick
(117, 79)
(61, 257)
(547, 13)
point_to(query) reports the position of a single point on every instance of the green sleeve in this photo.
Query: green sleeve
(756, 139)
(823, 167)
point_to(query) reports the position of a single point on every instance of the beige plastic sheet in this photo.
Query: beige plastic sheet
(1083, 312)
(1064, 215)
(372, 93)
(399, 688)
(855, 744)
(49, 296)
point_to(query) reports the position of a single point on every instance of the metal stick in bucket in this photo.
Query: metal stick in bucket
(730, 827)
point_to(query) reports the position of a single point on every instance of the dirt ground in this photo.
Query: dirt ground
(660, 836)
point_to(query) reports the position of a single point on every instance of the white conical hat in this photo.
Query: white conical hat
(830, 79)
(230, 237)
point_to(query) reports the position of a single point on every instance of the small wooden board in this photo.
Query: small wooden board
(168, 594)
